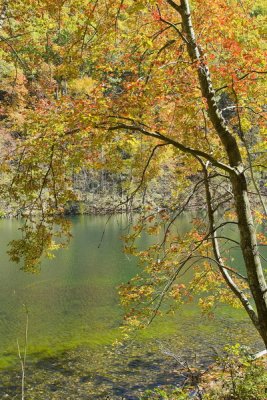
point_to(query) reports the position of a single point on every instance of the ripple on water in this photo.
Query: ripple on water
(74, 316)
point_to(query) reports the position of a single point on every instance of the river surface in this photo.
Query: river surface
(74, 317)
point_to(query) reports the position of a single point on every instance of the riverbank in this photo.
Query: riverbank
(139, 370)
(99, 192)
(74, 317)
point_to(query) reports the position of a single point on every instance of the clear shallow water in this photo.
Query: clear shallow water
(74, 315)
(73, 298)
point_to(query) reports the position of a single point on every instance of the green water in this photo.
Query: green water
(73, 299)
(74, 310)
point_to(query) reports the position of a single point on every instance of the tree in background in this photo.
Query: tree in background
(175, 85)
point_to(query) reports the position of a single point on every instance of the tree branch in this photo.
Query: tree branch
(219, 260)
(227, 139)
(178, 145)
(174, 5)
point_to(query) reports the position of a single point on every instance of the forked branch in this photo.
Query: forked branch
(217, 254)
(175, 143)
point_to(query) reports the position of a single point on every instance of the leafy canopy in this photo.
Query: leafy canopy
(85, 78)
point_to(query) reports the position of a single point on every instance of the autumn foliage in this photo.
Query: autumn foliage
(84, 78)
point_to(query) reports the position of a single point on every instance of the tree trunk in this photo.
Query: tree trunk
(249, 247)
(248, 240)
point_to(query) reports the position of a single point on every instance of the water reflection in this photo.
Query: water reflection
(73, 302)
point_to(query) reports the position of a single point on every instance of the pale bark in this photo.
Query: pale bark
(217, 254)
(3, 13)
(248, 241)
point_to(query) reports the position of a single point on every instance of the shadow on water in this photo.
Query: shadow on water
(103, 372)
(69, 376)
(74, 316)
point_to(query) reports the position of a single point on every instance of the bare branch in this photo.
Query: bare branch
(216, 250)
(174, 5)
(225, 267)
(145, 169)
(178, 145)
(174, 26)
(182, 209)
(247, 151)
